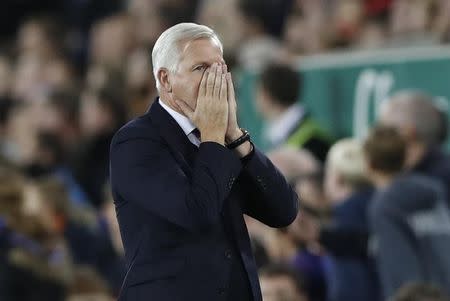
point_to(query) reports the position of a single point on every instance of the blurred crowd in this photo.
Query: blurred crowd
(73, 72)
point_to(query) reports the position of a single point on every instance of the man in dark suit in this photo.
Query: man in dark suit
(184, 174)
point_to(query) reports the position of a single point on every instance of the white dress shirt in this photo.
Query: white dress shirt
(186, 125)
(277, 131)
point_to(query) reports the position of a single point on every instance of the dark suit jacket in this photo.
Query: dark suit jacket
(180, 210)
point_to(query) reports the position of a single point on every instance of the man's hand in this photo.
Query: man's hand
(233, 130)
(211, 113)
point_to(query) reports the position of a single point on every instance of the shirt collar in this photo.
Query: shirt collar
(186, 125)
(279, 129)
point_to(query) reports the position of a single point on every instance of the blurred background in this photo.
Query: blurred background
(310, 75)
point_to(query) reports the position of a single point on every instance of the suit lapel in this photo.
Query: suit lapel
(179, 144)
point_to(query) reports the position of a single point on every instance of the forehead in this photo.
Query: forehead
(201, 50)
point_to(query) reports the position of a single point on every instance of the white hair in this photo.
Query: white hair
(413, 108)
(166, 52)
(346, 158)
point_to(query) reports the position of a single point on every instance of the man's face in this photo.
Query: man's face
(195, 57)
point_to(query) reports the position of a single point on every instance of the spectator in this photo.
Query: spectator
(289, 122)
(296, 245)
(41, 36)
(346, 22)
(409, 218)
(112, 39)
(35, 264)
(258, 26)
(347, 189)
(419, 122)
(148, 19)
(59, 115)
(102, 113)
(140, 83)
(411, 21)
(281, 283)
(305, 30)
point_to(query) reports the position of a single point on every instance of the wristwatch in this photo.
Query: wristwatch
(243, 138)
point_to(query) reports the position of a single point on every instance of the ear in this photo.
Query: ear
(164, 79)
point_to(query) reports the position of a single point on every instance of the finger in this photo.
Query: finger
(218, 81)
(187, 111)
(224, 68)
(202, 89)
(223, 88)
(211, 80)
(231, 96)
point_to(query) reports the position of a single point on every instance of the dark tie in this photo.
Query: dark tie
(196, 132)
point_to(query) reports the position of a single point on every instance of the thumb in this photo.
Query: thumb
(187, 111)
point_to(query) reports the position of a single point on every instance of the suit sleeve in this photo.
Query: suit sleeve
(144, 172)
(270, 199)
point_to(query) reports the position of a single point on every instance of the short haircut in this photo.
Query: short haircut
(166, 52)
(346, 157)
(385, 150)
(417, 109)
(282, 83)
(419, 292)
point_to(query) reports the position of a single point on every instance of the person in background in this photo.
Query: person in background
(260, 23)
(422, 127)
(288, 121)
(281, 283)
(348, 191)
(408, 216)
(102, 113)
(296, 245)
(35, 264)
